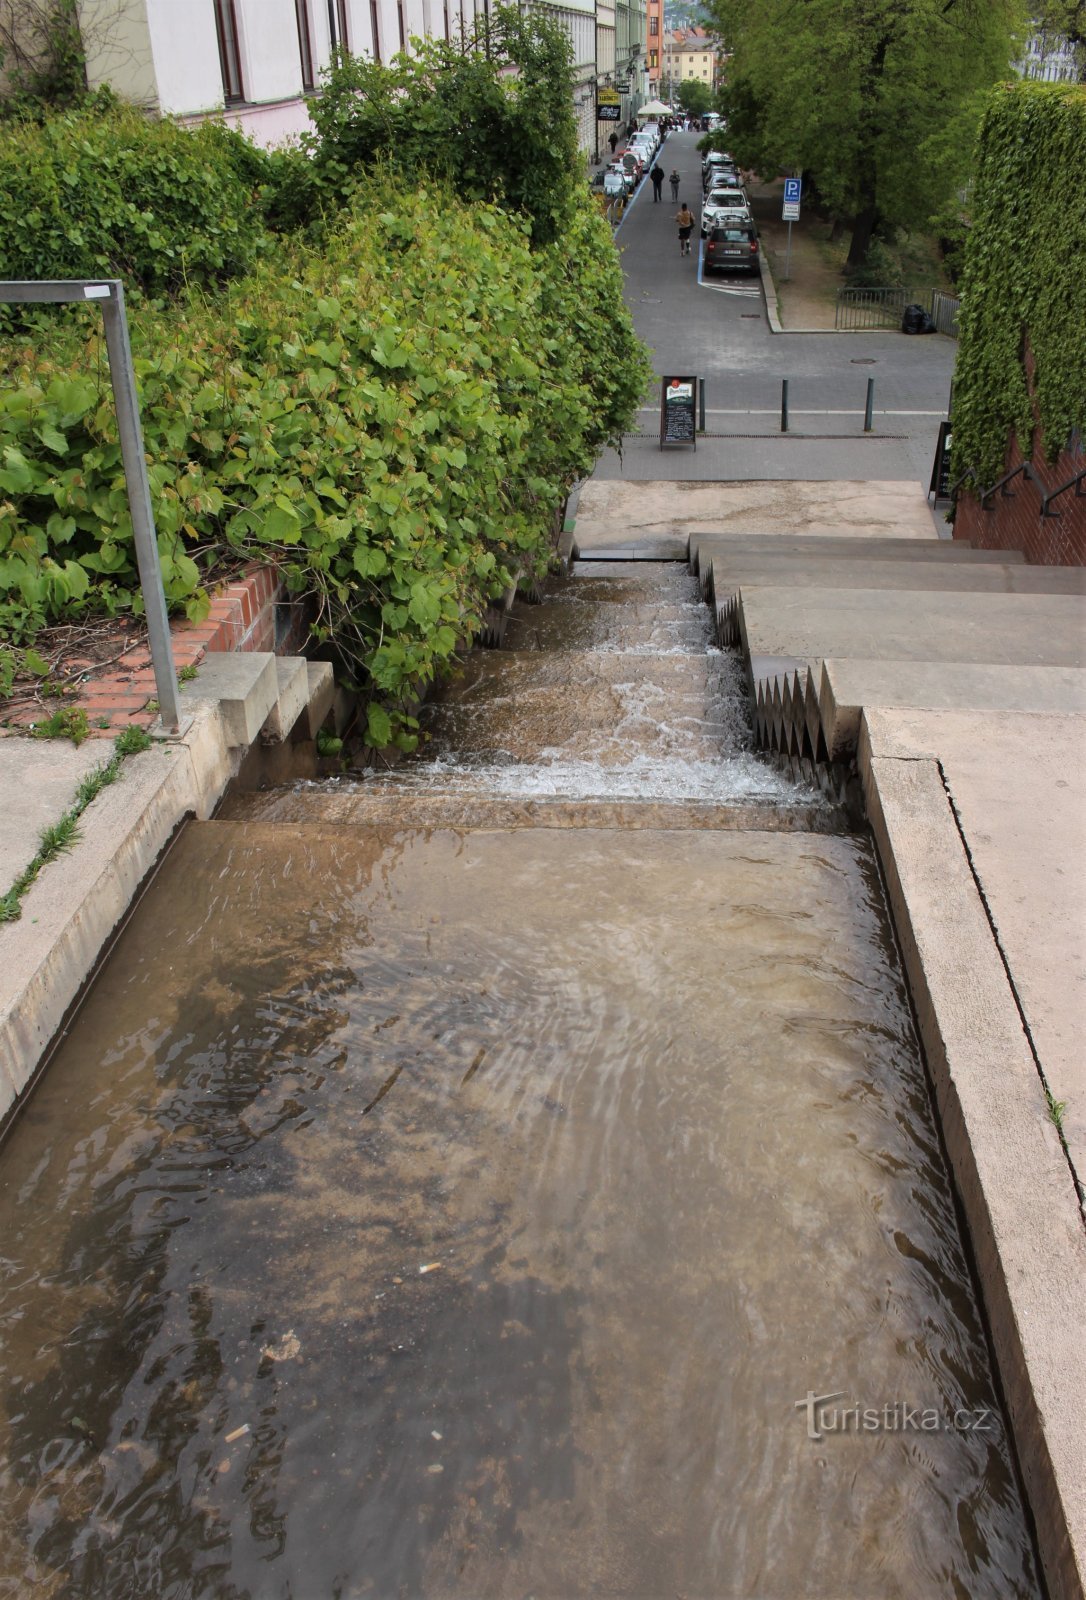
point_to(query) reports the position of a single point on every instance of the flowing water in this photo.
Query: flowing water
(512, 1175)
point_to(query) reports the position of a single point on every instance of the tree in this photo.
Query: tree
(1066, 19)
(877, 100)
(696, 98)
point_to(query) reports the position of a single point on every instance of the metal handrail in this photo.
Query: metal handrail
(1023, 467)
(1072, 483)
(970, 472)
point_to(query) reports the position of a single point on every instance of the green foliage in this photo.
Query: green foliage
(41, 56)
(69, 722)
(132, 741)
(491, 123)
(696, 98)
(106, 190)
(393, 415)
(1024, 278)
(876, 100)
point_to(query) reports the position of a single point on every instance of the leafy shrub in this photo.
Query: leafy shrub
(106, 190)
(458, 116)
(393, 416)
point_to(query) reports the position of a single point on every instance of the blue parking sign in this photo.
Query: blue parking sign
(792, 189)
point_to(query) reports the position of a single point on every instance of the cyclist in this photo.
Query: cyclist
(685, 218)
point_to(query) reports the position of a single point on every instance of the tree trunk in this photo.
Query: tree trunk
(863, 226)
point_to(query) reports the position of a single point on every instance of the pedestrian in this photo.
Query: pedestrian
(674, 182)
(613, 142)
(685, 218)
(657, 176)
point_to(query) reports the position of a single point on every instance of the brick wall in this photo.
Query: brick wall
(242, 616)
(1014, 522)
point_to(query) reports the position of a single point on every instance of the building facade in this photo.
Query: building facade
(254, 61)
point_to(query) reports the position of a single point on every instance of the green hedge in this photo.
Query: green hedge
(106, 190)
(1024, 276)
(394, 416)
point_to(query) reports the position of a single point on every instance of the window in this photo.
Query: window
(399, 20)
(375, 31)
(342, 38)
(305, 43)
(654, 59)
(654, 26)
(448, 35)
(226, 31)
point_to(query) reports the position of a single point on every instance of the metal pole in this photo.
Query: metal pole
(701, 404)
(870, 404)
(788, 257)
(784, 405)
(123, 378)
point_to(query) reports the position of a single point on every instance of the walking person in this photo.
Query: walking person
(657, 176)
(613, 142)
(685, 218)
(674, 182)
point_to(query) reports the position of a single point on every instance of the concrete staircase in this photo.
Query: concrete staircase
(829, 627)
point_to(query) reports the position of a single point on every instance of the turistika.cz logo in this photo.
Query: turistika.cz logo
(825, 1415)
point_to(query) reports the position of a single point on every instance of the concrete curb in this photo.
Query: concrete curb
(70, 913)
(1010, 1171)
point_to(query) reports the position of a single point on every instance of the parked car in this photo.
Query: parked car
(626, 177)
(731, 247)
(720, 204)
(632, 162)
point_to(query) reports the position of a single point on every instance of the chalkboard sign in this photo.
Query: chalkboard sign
(678, 411)
(940, 472)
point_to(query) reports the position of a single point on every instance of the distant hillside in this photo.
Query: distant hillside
(684, 14)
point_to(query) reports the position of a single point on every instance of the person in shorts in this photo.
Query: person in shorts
(685, 218)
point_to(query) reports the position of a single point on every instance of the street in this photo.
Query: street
(717, 327)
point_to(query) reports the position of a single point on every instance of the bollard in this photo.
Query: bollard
(870, 404)
(784, 405)
(701, 405)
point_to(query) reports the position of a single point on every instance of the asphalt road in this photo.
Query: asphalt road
(717, 327)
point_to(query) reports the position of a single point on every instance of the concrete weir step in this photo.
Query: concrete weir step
(519, 703)
(636, 550)
(566, 625)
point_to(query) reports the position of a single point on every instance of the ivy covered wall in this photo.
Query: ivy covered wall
(1020, 379)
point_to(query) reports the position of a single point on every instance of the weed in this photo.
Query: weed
(59, 836)
(187, 674)
(70, 723)
(1056, 1109)
(131, 741)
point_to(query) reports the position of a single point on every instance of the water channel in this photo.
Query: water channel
(512, 1174)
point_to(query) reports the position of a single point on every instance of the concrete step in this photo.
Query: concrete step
(726, 583)
(906, 625)
(260, 695)
(705, 546)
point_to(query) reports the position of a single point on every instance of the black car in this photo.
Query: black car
(731, 247)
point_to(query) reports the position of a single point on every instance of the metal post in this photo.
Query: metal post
(788, 256)
(109, 294)
(123, 378)
(701, 404)
(784, 405)
(870, 404)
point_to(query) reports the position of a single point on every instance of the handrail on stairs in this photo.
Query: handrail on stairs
(1075, 483)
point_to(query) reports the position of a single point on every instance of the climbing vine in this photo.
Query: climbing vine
(1024, 279)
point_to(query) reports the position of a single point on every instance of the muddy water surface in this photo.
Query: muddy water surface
(470, 1214)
